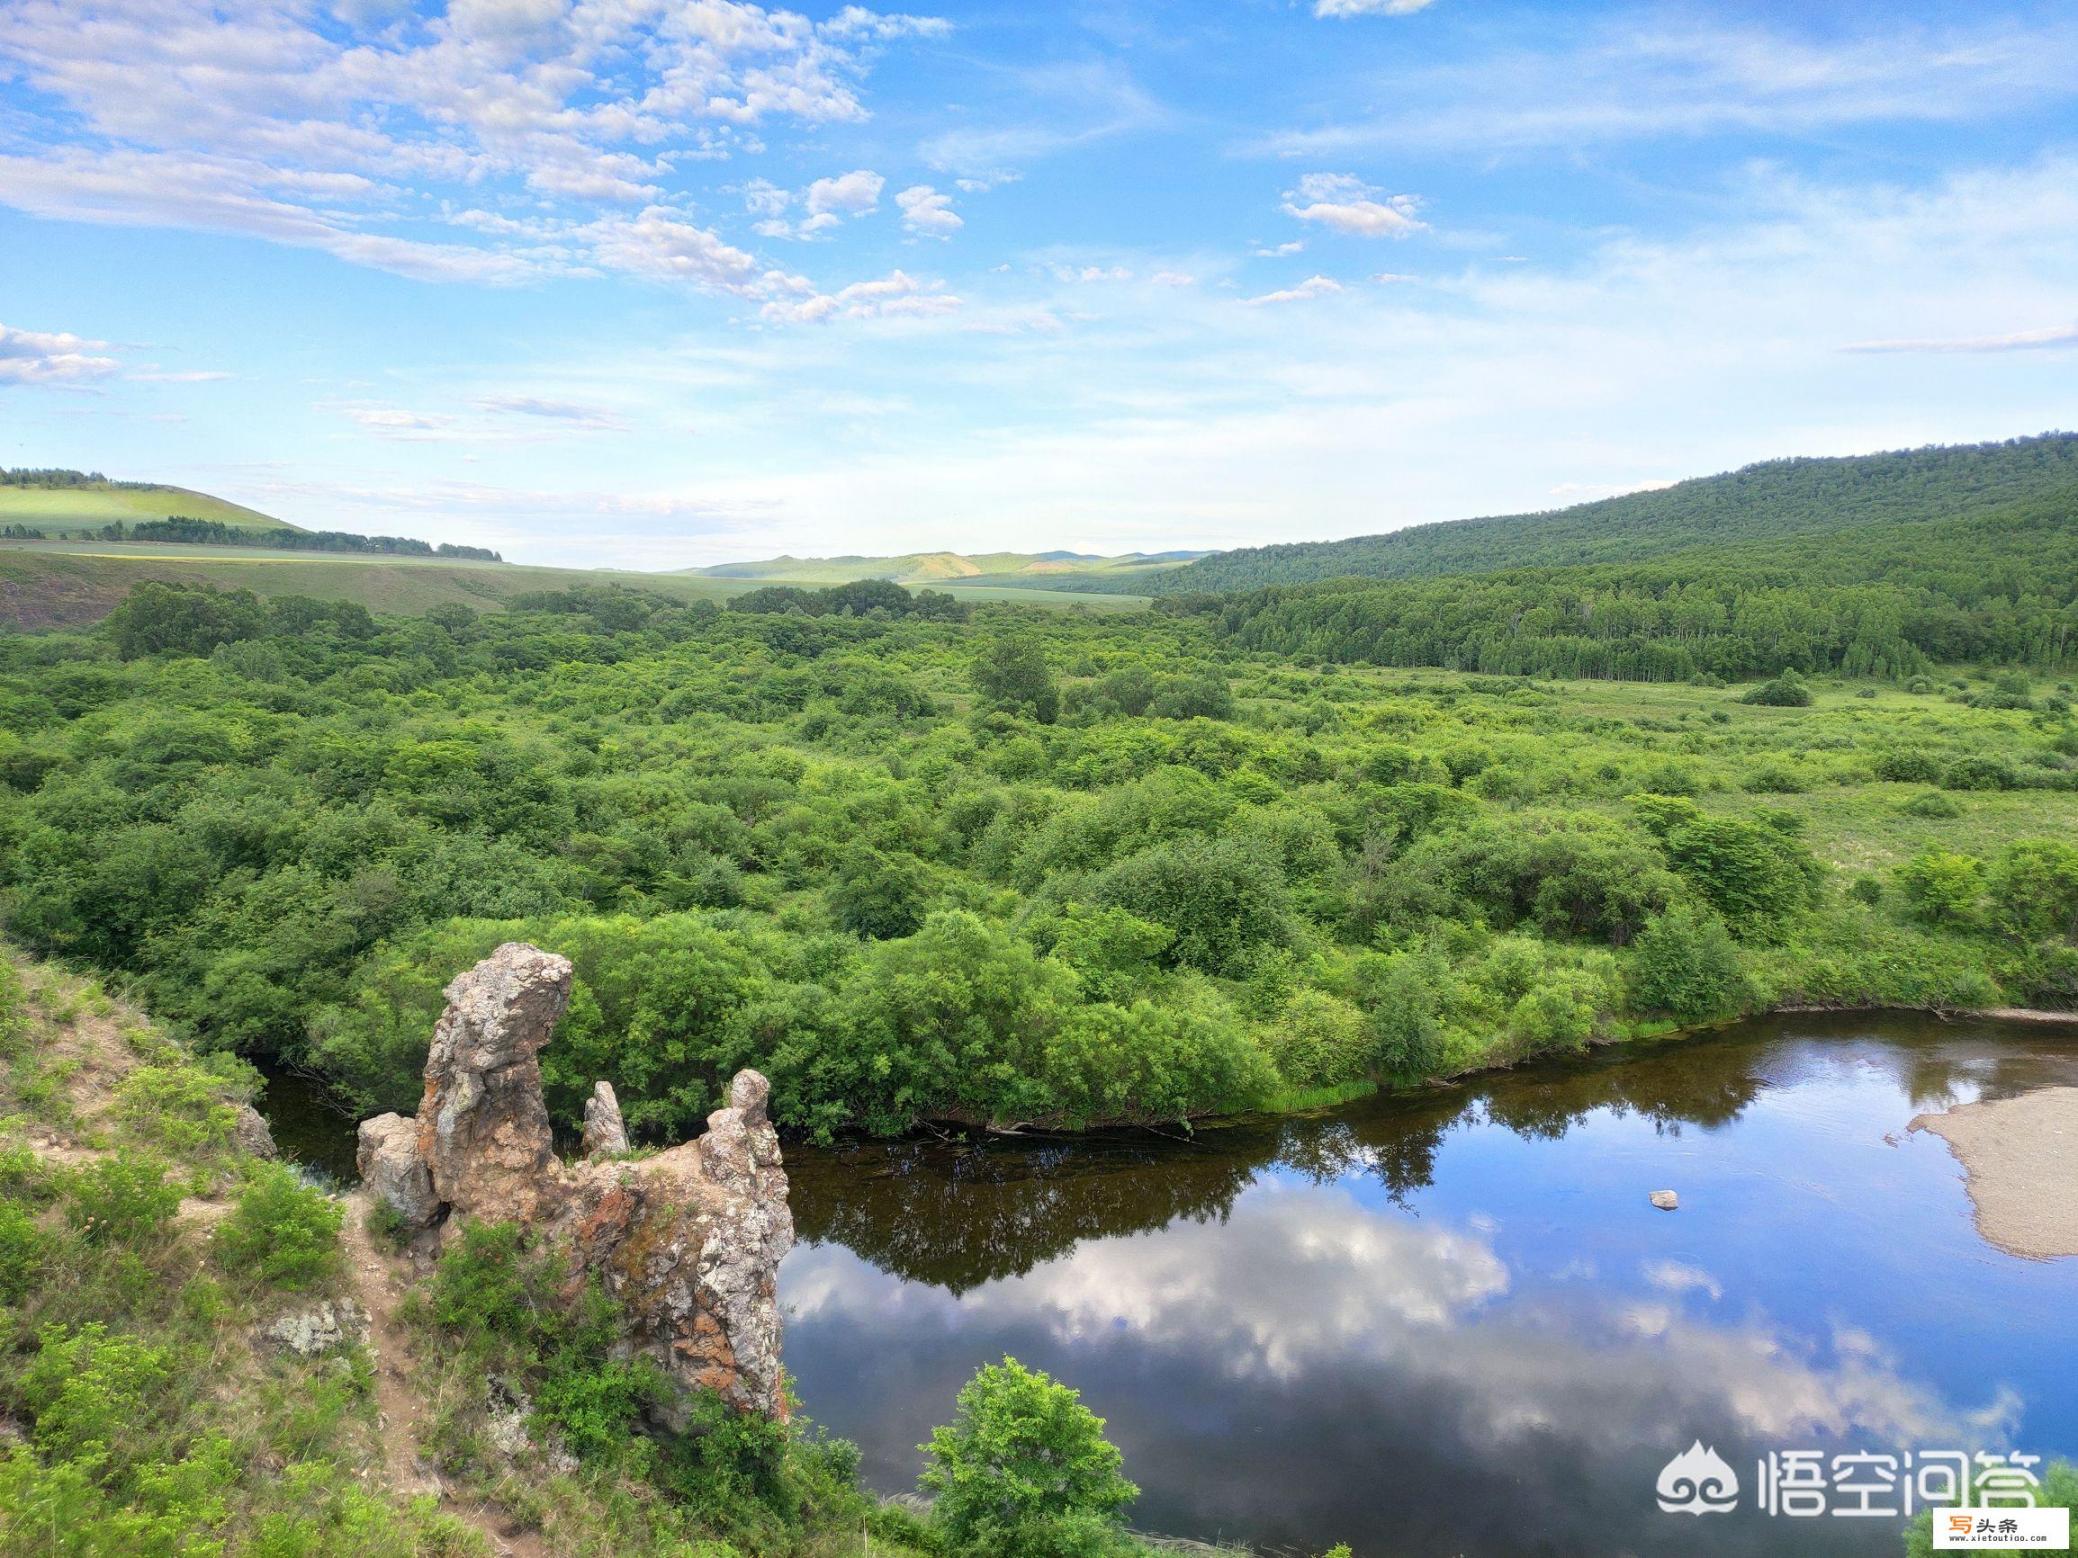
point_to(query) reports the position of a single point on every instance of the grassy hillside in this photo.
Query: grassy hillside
(70, 584)
(1044, 569)
(83, 508)
(1776, 500)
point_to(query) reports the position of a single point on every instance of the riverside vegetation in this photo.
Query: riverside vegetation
(916, 861)
(163, 1390)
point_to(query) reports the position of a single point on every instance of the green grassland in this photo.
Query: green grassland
(70, 583)
(88, 507)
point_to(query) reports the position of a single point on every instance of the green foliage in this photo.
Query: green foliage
(1686, 964)
(1771, 507)
(1012, 675)
(1024, 1470)
(123, 1198)
(2033, 890)
(1220, 899)
(1319, 1040)
(1941, 887)
(281, 1231)
(1786, 691)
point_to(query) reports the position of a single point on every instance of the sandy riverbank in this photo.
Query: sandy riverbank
(2021, 1156)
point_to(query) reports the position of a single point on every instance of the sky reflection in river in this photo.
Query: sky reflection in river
(1458, 1325)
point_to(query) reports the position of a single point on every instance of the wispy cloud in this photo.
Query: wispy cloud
(1681, 76)
(2018, 341)
(1312, 287)
(1349, 8)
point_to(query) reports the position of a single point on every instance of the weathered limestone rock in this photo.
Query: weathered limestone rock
(482, 1125)
(689, 1242)
(320, 1328)
(390, 1166)
(605, 1133)
(252, 1135)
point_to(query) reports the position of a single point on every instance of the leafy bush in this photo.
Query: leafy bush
(1931, 804)
(1320, 1040)
(2033, 889)
(123, 1198)
(23, 1248)
(1786, 691)
(1686, 964)
(282, 1231)
(1024, 1470)
(1941, 887)
(1979, 771)
(1221, 899)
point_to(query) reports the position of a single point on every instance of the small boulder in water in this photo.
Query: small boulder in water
(1666, 1200)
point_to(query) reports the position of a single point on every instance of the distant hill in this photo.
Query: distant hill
(76, 502)
(1775, 500)
(1044, 569)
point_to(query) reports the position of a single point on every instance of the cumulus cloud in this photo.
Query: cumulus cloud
(927, 212)
(847, 194)
(1312, 287)
(277, 122)
(1347, 204)
(47, 357)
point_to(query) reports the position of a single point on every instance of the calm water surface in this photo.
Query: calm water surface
(1455, 1325)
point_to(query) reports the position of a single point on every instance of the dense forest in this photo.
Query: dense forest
(1997, 588)
(1773, 502)
(1025, 867)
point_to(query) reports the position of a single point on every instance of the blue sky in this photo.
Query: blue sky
(664, 282)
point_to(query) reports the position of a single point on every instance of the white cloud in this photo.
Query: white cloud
(1173, 278)
(1685, 73)
(1280, 251)
(275, 122)
(1312, 287)
(847, 194)
(46, 357)
(927, 212)
(896, 295)
(1348, 205)
(1347, 8)
(2016, 341)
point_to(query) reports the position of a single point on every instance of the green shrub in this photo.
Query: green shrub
(1979, 771)
(1786, 691)
(2033, 889)
(282, 1231)
(1931, 804)
(1024, 1470)
(122, 1199)
(1941, 887)
(23, 1249)
(1319, 1040)
(1686, 964)
(1903, 765)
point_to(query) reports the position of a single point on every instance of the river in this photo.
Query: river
(1454, 1323)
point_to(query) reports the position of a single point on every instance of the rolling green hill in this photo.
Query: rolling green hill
(50, 584)
(1044, 570)
(1773, 501)
(73, 504)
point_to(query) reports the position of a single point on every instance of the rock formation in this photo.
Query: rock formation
(605, 1133)
(688, 1242)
